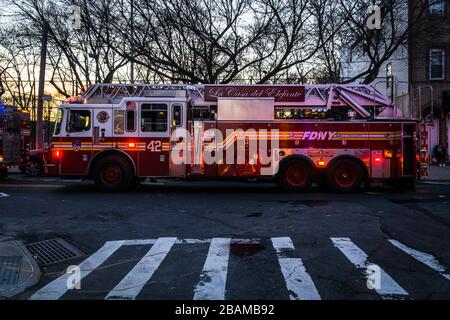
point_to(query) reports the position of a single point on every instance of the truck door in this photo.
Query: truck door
(154, 131)
(77, 144)
(179, 140)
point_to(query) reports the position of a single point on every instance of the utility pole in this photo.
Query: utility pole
(41, 90)
(132, 40)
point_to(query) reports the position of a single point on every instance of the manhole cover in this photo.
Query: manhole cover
(10, 270)
(53, 251)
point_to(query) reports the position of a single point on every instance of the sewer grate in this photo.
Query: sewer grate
(53, 251)
(10, 270)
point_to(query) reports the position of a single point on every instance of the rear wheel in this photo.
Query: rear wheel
(296, 176)
(113, 174)
(345, 176)
(34, 168)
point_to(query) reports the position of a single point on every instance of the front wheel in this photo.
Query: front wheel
(296, 176)
(113, 174)
(345, 176)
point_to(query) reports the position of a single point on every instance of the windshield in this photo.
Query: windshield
(58, 123)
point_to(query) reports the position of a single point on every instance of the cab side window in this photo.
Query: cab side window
(154, 118)
(79, 121)
(59, 122)
(119, 121)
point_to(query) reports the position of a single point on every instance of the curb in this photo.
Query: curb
(29, 273)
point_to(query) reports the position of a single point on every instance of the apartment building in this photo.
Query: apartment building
(417, 75)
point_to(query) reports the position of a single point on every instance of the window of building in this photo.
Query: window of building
(79, 121)
(154, 118)
(389, 80)
(437, 64)
(119, 121)
(437, 7)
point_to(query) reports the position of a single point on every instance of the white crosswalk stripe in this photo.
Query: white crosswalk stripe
(3, 195)
(298, 281)
(214, 276)
(212, 284)
(388, 288)
(132, 284)
(56, 289)
(423, 257)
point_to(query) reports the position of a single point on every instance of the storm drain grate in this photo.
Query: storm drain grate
(10, 270)
(53, 251)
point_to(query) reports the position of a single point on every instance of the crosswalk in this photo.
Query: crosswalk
(214, 277)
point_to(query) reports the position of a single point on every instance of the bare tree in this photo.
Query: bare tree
(376, 46)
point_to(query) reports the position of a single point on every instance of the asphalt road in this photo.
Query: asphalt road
(205, 240)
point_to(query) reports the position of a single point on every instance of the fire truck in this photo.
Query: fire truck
(339, 136)
(14, 138)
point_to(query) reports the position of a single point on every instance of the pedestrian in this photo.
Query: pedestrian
(440, 153)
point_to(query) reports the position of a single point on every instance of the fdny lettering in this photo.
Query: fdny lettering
(313, 136)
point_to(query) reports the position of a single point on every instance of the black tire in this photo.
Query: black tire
(113, 174)
(296, 176)
(34, 168)
(345, 176)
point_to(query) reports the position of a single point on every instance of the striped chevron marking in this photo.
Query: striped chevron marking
(241, 135)
(425, 258)
(298, 281)
(388, 287)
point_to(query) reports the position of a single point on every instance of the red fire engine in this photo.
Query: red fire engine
(14, 138)
(342, 136)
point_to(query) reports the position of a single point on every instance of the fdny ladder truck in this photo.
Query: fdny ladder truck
(341, 136)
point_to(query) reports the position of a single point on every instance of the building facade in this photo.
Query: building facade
(417, 75)
(429, 68)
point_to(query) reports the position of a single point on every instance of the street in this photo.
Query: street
(233, 241)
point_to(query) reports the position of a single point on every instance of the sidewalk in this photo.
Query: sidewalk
(438, 174)
(18, 270)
